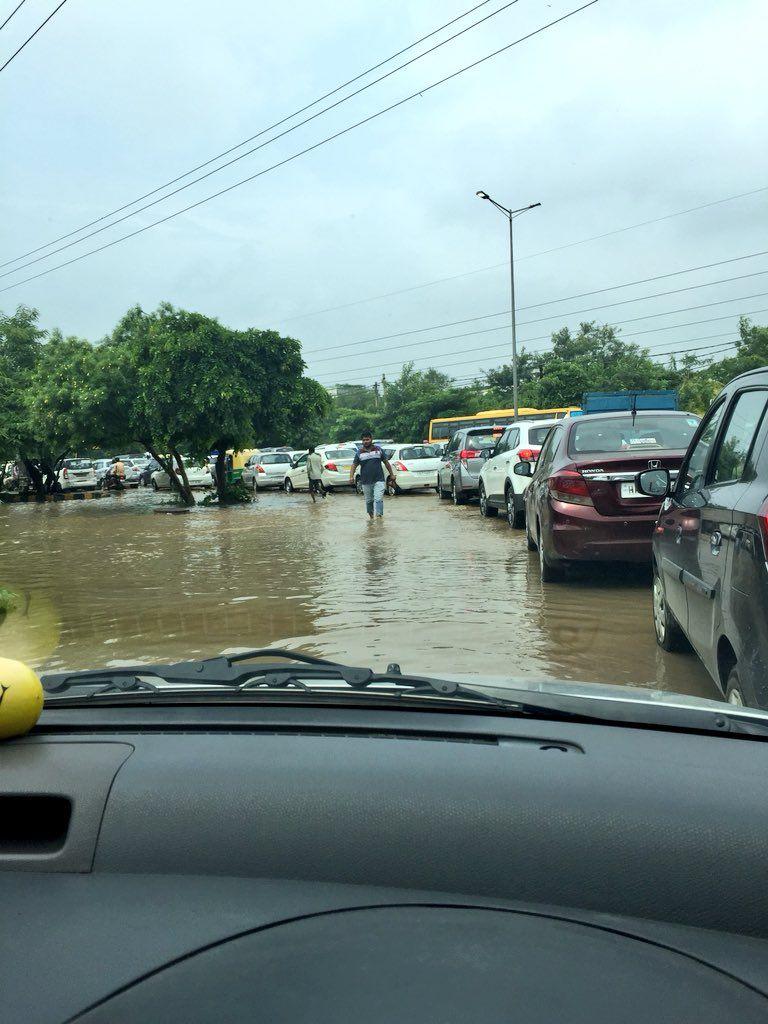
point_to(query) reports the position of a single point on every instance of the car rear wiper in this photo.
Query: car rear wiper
(232, 672)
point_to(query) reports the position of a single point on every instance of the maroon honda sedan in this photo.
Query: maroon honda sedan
(582, 504)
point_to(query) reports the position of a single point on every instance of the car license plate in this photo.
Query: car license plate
(630, 491)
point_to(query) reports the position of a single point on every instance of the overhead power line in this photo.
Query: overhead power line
(307, 149)
(12, 14)
(527, 256)
(505, 327)
(250, 152)
(29, 38)
(541, 337)
(551, 302)
(462, 362)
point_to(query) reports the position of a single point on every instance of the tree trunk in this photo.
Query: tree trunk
(184, 492)
(221, 475)
(36, 477)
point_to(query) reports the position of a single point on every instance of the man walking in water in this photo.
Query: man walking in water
(370, 459)
(315, 474)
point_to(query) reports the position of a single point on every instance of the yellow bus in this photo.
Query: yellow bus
(442, 428)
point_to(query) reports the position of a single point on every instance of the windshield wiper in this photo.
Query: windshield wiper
(232, 672)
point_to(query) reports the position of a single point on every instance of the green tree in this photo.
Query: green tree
(416, 397)
(196, 386)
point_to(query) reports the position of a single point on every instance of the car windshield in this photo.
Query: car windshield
(627, 434)
(478, 234)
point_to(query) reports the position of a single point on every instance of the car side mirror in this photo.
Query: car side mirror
(523, 469)
(654, 483)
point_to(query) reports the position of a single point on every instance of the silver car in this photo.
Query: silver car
(266, 470)
(463, 459)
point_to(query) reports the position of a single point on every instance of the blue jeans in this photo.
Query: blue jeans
(374, 498)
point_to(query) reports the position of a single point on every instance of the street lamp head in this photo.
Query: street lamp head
(482, 195)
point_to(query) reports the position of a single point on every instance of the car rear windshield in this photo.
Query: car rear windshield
(474, 442)
(421, 451)
(622, 434)
(341, 453)
(78, 464)
(273, 460)
(536, 435)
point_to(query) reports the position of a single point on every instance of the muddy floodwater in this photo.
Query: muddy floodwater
(432, 587)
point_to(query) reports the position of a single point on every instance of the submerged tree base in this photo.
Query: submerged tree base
(235, 493)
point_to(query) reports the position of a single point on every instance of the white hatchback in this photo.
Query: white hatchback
(499, 487)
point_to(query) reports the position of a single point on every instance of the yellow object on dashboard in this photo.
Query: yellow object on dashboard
(21, 698)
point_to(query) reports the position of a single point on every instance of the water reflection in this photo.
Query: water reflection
(432, 587)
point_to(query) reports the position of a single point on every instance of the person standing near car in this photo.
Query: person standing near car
(370, 459)
(315, 473)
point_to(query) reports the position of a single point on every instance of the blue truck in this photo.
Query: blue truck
(628, 401)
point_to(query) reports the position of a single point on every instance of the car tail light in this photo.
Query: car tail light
(569, 486)
(468, 453)
(401, 466)
(528, 454)
(332, 467)
(762, 518)
(66, 473)
(260, 469)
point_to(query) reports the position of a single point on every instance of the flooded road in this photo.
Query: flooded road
(433, 587)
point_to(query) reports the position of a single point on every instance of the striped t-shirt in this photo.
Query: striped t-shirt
(369, 460)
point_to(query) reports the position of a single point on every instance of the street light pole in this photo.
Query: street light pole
(510, 215)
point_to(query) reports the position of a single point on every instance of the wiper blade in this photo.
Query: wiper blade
(242, 672)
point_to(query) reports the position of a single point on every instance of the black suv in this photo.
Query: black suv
(710, 545)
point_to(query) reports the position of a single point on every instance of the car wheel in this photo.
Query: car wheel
(551, 572)
(358, 485)
(530, 542)
(737, 693)
(441, 492)
(516, 519)
(288, 485)
(486, 510)
(154, 485)
(457, 496)
(669, 635)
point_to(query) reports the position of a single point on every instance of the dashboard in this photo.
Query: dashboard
(219, 863)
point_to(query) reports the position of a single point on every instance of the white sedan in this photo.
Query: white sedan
(296, 477)
(414, 467)
(337, 463)
(198, 476)
(266, 469)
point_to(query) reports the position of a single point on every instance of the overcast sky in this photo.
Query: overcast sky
(624, 112)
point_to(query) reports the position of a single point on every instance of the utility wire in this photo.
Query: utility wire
(307, 149)
(255, 149)
(550, 302)
(527, 256)
(524, 323)
(545, 337)
(12, 14)
(687, 341)
(29, 38)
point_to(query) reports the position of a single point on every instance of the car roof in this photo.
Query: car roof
(747, 373)
(573, 421)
